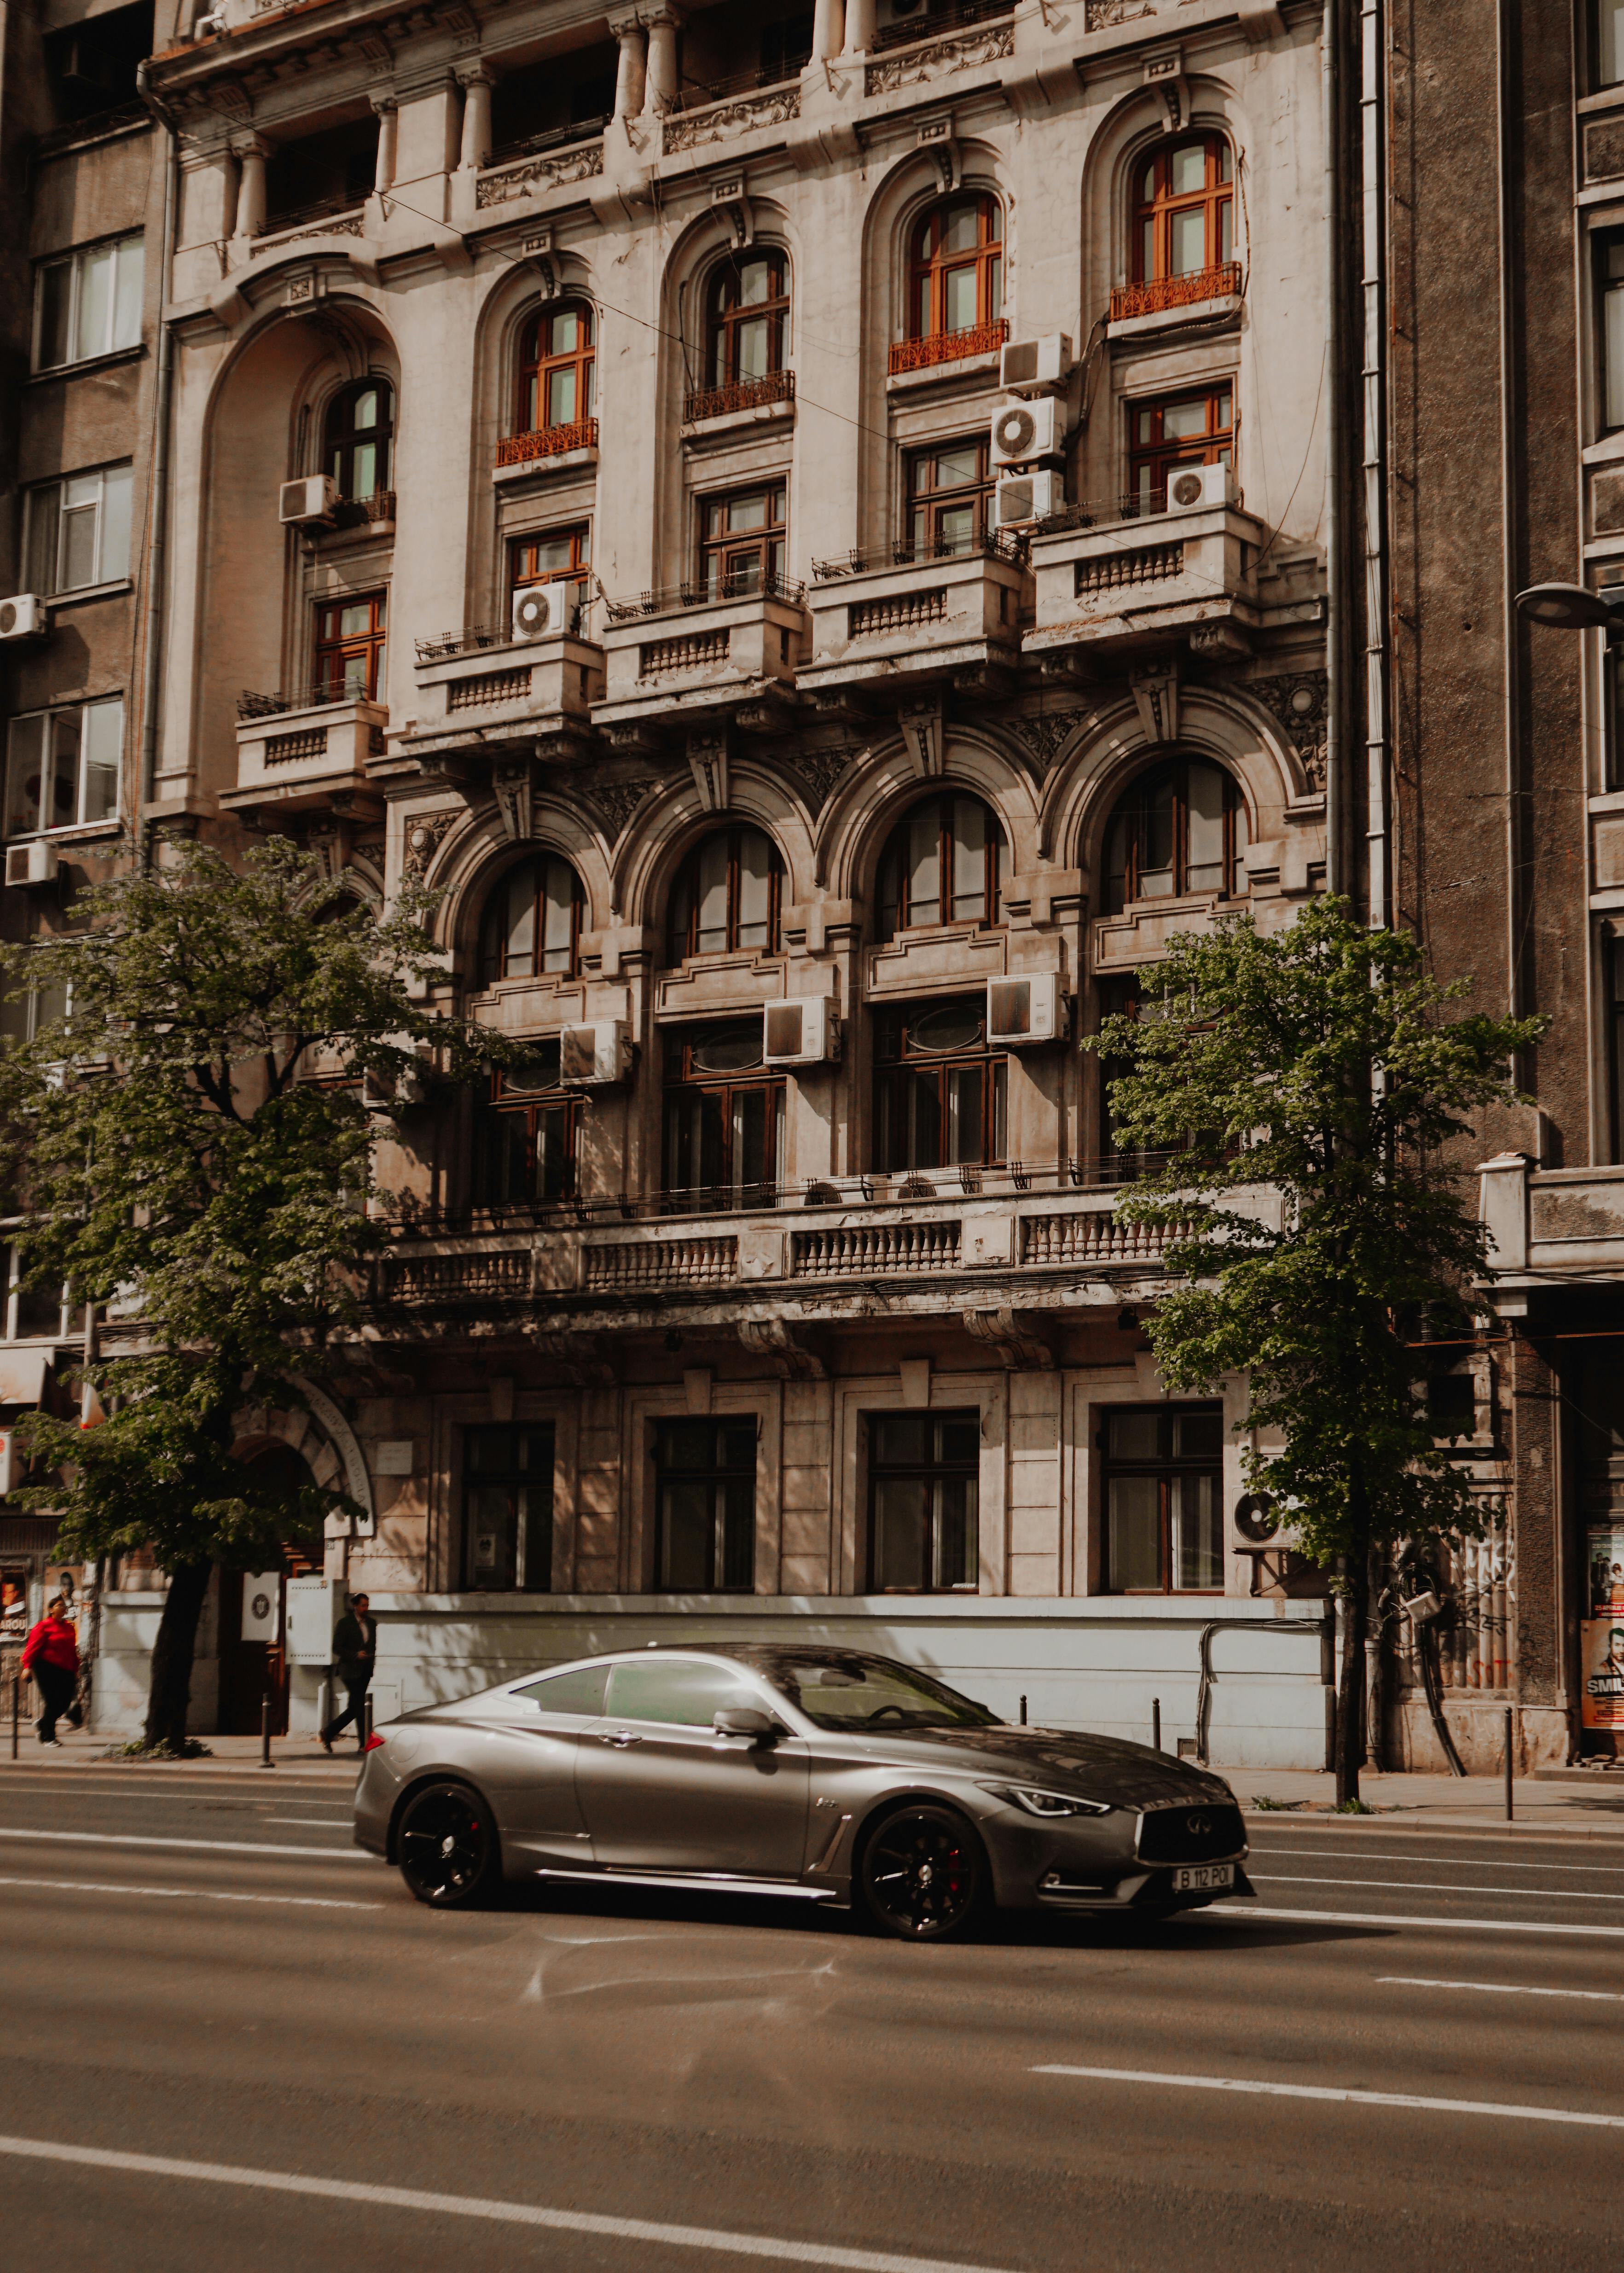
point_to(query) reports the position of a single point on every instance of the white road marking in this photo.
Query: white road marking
(503, 2213)
(189, 1893)
(1466, 1862)
(1326, 2091)
(1426, 1887)
(1502, 1988)
(210, 1846)
(1228, 1917)
(316, 1822)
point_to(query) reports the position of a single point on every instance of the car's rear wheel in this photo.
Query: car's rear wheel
(924, 1874)
(447, 1846)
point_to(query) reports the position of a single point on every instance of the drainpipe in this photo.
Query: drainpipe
(157, 515)
(1377, 817)
(1335, 857)
(1505, 81)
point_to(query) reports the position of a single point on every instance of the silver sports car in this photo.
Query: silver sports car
(821, 1774)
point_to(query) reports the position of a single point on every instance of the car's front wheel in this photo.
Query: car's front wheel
(924, 1874)
(447, 1846)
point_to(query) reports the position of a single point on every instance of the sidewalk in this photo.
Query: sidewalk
(231, 1754)
(1587, 1803)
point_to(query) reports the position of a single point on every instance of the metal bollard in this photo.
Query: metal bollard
(16, 1702)
(1023, 1712)
(1156, 1724)
(1510, 1815)
(266, 1760)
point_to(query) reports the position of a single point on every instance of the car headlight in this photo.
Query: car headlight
(1050, 1804)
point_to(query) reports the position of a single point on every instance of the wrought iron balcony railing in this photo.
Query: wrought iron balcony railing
(668, 598)
(548, 442)
(740, 394)
(1167, 292)
(947, 347)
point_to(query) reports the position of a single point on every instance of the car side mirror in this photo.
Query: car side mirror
(746, 1721)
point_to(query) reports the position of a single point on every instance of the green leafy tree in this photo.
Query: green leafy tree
(1322, 1062)
(189, 1137)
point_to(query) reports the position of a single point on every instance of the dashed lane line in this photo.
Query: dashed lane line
(209, 1846)
(1227, 1915)
(189, 1894)
(1428, 1887)
(782, 2249)
(1465, 1862)
(1250, 2085)
(1500, 1988)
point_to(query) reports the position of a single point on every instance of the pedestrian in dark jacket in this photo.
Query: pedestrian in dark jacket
(355, 1650)
(51, 1655)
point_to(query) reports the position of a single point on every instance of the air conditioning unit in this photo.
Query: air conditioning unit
(592, 1055)
(1036, 366)
(36, 862)
(802, 1032)
(1023, 432)
(539, 610)
(312, 498)
(1026, 1010)
(24, 616)
(1027, 496)
(1196, 488)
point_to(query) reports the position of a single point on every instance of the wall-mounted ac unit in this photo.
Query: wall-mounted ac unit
(802, 1032)
(1196, 488)
(592, 1055)
(1023, 432)
(539, 610)
(1036, 366)
(1026, 1010)
(36, 862)
(313, 498)
(24, 616)
(1027, 496)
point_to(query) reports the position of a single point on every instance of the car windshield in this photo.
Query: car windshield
(841, 1690)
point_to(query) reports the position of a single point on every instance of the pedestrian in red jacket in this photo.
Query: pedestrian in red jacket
(51, 1655)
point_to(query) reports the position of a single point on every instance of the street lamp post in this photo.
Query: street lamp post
(1572, 608)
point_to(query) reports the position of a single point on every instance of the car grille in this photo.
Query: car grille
(1190, 1834)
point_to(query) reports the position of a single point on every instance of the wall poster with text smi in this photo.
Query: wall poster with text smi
(1601, 1633)
(14, 1605)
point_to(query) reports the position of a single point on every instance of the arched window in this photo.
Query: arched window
(955, 267)
(946, 862)
(555, 370)
(746, 312)
(1183, 210)
(360, 435)
(1179, 831)
(726, 896)
(532, 922)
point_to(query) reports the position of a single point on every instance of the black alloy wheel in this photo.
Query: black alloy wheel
(446, 1845)
(924, 1874)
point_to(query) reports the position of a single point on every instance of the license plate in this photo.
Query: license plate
(1203, 1877)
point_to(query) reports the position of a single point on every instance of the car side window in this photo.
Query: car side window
(579, 1693)
(689, 1694)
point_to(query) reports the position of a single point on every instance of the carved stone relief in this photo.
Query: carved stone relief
(1046, 734)
(614, 802)
(423, 837)
(1299, 702)
(917, 66)
(531, 175)
(721, 121)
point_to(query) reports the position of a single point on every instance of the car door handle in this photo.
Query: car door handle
(618, 1738)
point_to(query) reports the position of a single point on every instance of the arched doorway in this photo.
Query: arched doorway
(253, 1612)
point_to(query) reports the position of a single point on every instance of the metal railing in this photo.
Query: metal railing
(553, 138)
(699, 94)
(986, 544)
(947, 347)
(739, 395)
(1165, 292)
(322, 695)
(333, 208)
(907, 30)
(668, 599)
(548, 442)
(470, 639)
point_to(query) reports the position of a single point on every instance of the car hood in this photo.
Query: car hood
(1106, 1768)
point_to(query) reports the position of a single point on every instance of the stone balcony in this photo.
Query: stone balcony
(690, 655)
(1127, 583)
(478, 687)
(1548, 1226)
(889, 617)
(304, 753)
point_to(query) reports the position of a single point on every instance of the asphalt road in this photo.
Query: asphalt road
(201, 1974)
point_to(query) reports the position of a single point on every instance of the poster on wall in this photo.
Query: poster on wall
(14, 1605)
(1601, 1632)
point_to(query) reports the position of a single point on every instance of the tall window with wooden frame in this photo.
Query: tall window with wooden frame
(704, 1489)
(924, 1492)
(532, 922)
(1182, 228)
(349, 648)
(359, 439)
(555, 391)
(508, 1511)
(1613, 951)
(743, 540)
(746, 327)
(1193, 429)
(724, 1119)
(1606, 43)
(1179, 834)
(1162, 1475)
(525, 1135)
(940, 1093)
(555, 556)
(946, 861)
(727, 896)
(955, 282)
(950, 492)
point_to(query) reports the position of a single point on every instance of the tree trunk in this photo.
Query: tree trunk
(1356, 1626)
(170, 1692)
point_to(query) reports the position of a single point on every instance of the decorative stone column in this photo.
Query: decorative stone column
(251, 153)
(389, 131)
(859, 26)
(827, 29)
(660, 92)
(476, 150)
(630, 72)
